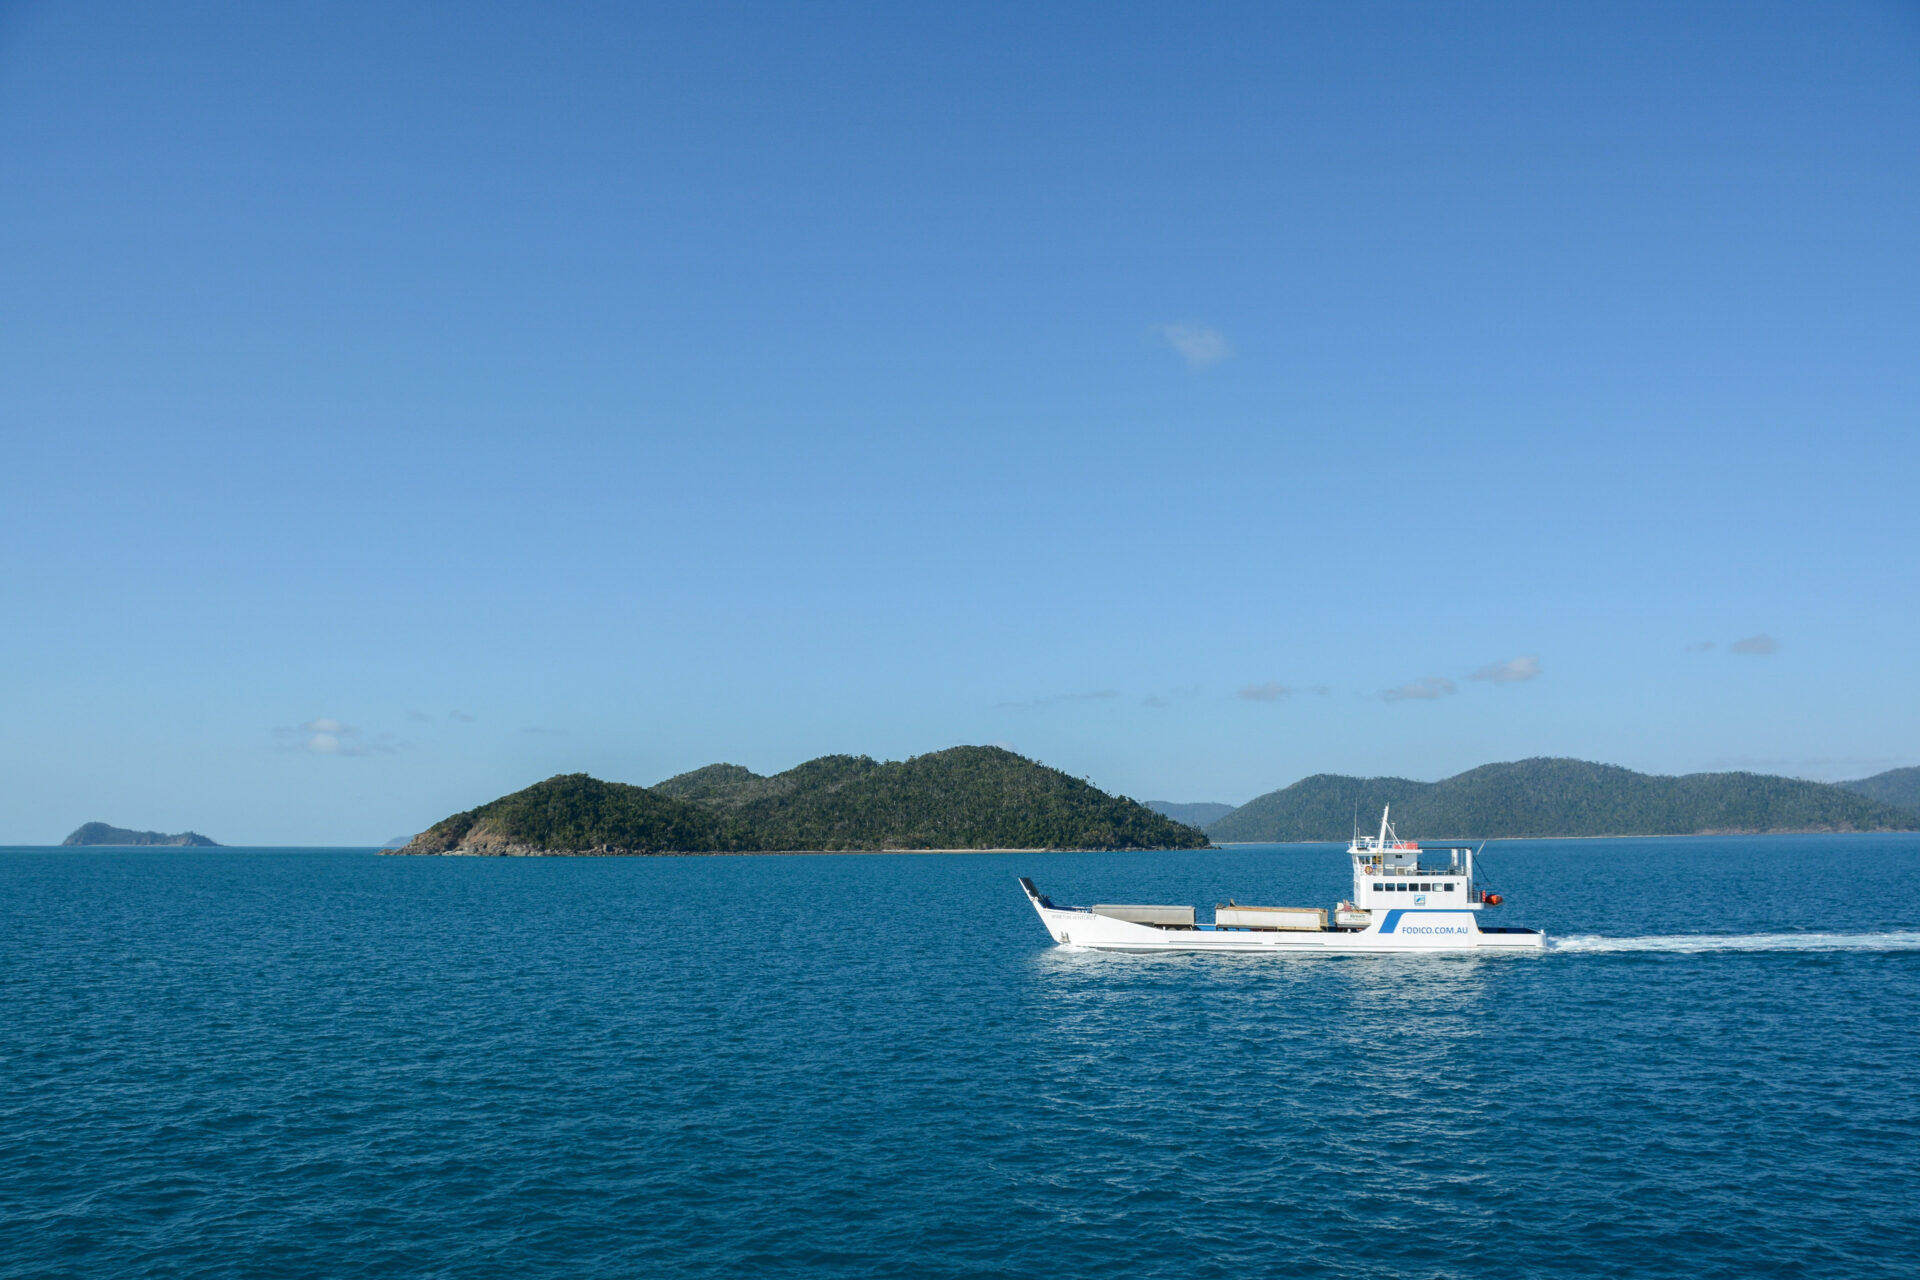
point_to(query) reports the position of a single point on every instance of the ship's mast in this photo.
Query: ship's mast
(1383, 824)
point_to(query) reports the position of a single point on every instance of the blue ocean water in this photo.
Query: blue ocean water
(265, 1063)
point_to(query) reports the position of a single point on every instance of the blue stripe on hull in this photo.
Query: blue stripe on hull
(1393, 916)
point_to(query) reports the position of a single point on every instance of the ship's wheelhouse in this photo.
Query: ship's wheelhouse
(1391, 873)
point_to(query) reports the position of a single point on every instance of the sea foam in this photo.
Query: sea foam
(1898, 940)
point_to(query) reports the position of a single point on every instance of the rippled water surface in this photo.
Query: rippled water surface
(235, 1063)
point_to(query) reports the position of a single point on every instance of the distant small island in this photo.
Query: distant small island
(101, 833)
(961, 798)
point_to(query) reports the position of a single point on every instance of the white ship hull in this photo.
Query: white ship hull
(1396, 930)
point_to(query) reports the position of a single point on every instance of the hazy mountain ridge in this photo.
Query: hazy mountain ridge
(1547, 797)
(101, 833)
(1194, 814)
(1897, 787)
(961, 798)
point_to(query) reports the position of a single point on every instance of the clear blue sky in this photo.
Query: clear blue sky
(403, 403)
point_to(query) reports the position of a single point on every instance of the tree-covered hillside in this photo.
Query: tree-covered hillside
(703, 784)
(962, 798)
(1323, 807)
(1550, 797)
(574, 813)
(1897, 787)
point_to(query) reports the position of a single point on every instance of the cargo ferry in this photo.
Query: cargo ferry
(1405, 898)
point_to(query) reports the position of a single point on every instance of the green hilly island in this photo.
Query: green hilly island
(961, 798)
(1554, 797)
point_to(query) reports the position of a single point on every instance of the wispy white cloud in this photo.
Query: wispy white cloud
(1760, 645)
(1155, 700)
(1200, 346)
(327, 736)
(1514, 670)
(1700, 646)
(1271, 691)
(330, 744)
(1425, 689)
(323, 736)
(461, 716)
(1092, 695)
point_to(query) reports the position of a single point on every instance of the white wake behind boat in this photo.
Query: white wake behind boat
(1401, 902)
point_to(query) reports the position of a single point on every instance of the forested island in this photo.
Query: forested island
(961, 798)
(101, 833)
(1555, 797)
